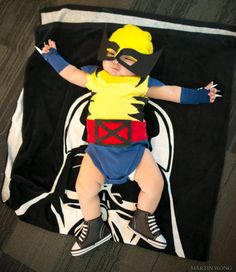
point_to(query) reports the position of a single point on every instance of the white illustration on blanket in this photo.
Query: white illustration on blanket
(115, 206)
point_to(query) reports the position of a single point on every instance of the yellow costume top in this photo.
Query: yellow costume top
(116, 97)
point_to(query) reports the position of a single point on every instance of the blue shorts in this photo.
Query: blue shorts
(117, 163)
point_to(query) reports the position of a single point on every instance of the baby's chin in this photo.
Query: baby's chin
(113, 72)
(116, 72)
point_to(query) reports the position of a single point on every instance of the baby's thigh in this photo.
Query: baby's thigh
(89, 175)
(148, 174)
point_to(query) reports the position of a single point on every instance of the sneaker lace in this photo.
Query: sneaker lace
(153, 225)
(84, 232)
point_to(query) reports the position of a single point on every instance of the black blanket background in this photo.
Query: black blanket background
(189, 59)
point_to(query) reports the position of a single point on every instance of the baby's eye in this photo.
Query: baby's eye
(128, 59)
(111, 53)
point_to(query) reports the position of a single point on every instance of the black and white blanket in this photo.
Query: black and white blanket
(47, 138)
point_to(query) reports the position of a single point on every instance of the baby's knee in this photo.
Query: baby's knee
(154, 186)
(80, 186)
(89, 187)
(160, 182)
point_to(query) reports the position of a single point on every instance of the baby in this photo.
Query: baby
(117, 140)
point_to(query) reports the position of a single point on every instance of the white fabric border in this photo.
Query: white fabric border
(66, 15)
(14, 142)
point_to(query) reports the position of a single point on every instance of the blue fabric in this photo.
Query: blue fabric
(194, 96)
(55, 60)
(154, 82)
(117, 163)
(89, 68)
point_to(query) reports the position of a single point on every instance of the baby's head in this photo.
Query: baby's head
(129, 51)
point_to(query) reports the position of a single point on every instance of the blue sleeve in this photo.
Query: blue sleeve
(89, 68)
(154, 82)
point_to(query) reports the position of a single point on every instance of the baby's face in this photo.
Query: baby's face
(114, 68)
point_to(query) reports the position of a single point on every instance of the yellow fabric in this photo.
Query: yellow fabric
(114, 95)
(133, 37)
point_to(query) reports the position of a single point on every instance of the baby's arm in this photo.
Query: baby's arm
(184, 95)
(62, 67)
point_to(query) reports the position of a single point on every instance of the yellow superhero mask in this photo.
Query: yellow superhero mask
(133, 42)
(133, 37)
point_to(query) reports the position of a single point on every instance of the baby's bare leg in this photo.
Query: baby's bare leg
(94, 231)
(150, 181)
(88, 185)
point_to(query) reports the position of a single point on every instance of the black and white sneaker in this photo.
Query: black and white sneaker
(94, 233)
(145, 226)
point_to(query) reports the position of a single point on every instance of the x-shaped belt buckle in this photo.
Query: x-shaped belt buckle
(121, 134)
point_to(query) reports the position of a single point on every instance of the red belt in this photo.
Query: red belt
(115, 132)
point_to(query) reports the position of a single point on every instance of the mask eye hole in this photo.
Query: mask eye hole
(128, 59)
(111, 53)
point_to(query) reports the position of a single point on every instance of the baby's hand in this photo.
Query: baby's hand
(47, 47)
(212, 93)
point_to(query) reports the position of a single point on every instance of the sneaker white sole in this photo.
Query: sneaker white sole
(79, 252)
(155, 244)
